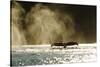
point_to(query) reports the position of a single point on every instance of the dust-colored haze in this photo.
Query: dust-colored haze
(45, 24)
(17, 33)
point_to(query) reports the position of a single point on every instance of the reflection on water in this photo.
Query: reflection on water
(43, 56)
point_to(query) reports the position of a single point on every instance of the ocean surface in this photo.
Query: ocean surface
(45, 55)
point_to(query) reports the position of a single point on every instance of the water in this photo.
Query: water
(25, 56)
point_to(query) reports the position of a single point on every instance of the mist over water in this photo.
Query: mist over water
(48, 26)
(43, 24)
(17, 32)
(40, 24)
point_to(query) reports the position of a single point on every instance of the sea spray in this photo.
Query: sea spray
(46, 26)
(17, 33)
(43, 24)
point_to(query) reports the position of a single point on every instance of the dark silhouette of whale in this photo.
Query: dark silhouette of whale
(64, 44)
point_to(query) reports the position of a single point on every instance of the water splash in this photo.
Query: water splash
(42, 25)
(17, 33)
(45, 25)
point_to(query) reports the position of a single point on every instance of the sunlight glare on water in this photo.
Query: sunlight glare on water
(41, 56)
